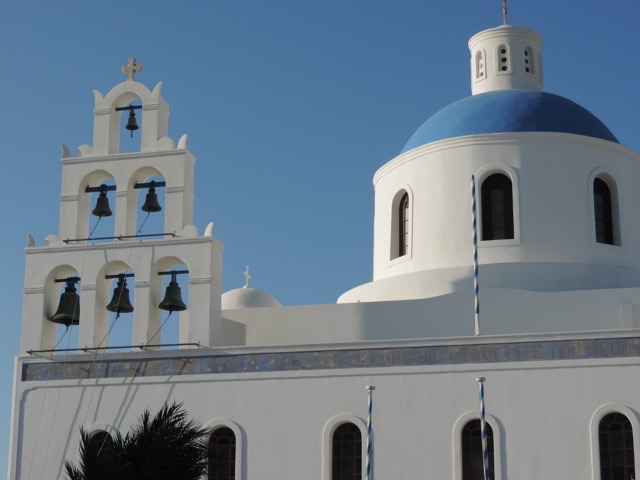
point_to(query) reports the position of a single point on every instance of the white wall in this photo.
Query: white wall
(544, 409)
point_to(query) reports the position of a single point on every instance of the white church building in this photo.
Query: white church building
(284, 389)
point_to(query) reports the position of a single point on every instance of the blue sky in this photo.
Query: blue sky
(290, 106)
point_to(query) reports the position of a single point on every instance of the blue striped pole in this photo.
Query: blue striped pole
(483, 429)
(475, 254)
(369, 466)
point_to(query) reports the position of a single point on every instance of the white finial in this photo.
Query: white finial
(131, 68)
(504, 12)
(246, 276)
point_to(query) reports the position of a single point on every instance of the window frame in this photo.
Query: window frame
(210, 450)
(618, 232)
(496, 427)
(480, 176)
(240, 450)
(327, 441)
(394, 239)
(596, 418)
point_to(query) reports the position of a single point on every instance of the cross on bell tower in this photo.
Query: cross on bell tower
(131, 69)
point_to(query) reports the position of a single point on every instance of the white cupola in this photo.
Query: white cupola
(506, 58)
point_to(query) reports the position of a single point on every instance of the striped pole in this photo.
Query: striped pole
(369, 466)
(475, 254)
(483, 429)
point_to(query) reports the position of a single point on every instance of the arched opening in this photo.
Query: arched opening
(472, 453)
(101, 443)
(222, 454)
(114, 306)
(403, 225)
(400, 225)
(168, 317)
(97, 207)
(346, 452)
(603, 212)
(146, 204)
(62, 306)
(496, 199)
(130, 140)
(615, 440)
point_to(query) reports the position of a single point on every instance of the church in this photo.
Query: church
(498, 337)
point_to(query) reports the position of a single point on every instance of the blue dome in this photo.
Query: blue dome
(506, 111)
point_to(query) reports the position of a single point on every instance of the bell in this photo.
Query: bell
(172, 297)
(151, 202)
(131, 125)
(102, 205)
(68, 312)
(120, 302)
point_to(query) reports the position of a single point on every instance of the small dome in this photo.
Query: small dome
(507, 111)
(247, 297)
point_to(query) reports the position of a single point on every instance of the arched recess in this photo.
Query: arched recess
(327, 440)
(178, 322)
(596, 418)
(529, 61)
(503, 57)
(119, 120)
(120, 330)
(480, 65)
(483, 174)
(52, 293)
(604, 217)
(87, 202)
(94, 429)
(497, 443)
(135, 197)
(154, 116)
(401, 232)
(239, 439)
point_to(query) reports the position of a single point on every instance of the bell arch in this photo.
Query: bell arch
(108, 120)
(142, 176)
(75, 210)
(159, 281)
(103, 332)
(52, 295)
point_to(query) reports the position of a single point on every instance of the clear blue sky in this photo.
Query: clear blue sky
(290, 107)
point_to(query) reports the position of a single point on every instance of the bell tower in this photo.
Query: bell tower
(88, 266)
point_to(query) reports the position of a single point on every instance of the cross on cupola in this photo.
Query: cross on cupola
(131, 69)
(247, 277)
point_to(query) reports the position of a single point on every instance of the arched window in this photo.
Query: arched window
(472, 464)
(497, 207)
(615, 438)
(222, 454)
(403, 225)
(603, 211)
(400, 226)
(346, 453)
(101, 443)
